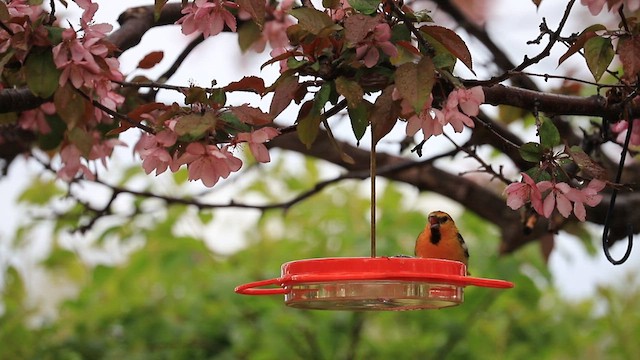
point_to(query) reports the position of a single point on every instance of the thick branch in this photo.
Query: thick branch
(478, 198)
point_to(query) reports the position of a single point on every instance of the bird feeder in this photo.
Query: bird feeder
(371, 283)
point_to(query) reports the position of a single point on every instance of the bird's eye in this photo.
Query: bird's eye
(443, 219)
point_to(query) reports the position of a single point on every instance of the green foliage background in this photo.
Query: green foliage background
(173, 298)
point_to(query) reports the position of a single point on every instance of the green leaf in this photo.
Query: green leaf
(359, 116)
(81, 139)
(599, 53)
(70, 105)
(322, 97)
(587, 34)
(42, 74)
(311, 20)
(308, 123)
(549, 134)
(351, 90)
(415, 82)
(196, 125)
(8, 118)
(248, 34)
(157, 8)
(41, 192)
(366, 7)
(531, 152)
(52, 139)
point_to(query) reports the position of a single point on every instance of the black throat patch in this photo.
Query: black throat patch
(435, 234)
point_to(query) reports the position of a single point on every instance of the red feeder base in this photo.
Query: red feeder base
(384, 283)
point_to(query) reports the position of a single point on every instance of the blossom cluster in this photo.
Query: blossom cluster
(208, 17)
(86, 62)
(546, 196)
(206, 162)
(25, 28)
(596, 6)
(379, 39)
(432, 120)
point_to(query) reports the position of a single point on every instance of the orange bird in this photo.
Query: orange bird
(440, 239)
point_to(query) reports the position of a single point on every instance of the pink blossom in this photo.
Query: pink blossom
(556, 198)
(102, 149)
(469, 101)
(621, 128)
(274, 30)
(596, 6)
(26, 29)
(207, 17)
(427, 120)
(588, 195)
(78, 59)
(72, 164)
(21, 8)
(340, 13)
(210, 163)
(522, 192)
(153, 153)
(256, 140)
(35, 119)
(367, 50)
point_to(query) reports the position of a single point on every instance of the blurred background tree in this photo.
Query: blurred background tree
(172, 297)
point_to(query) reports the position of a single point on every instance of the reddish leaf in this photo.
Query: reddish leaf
(151, 60)
(358, 26)
(4, 12)
(537, 3)
(415, 81)
(598, 52)
(351, 90)
(587, 34)
(255, 8)
(124, 126)
(629, 51)
(285, 89)
(451, 41)
(136, 113)
(385, 114)
(586, 164)
(251, 115)
(247, 83)
(408, 46)
(282, 56)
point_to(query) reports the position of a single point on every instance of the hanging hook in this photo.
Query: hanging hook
(612, 203)
(605, 234)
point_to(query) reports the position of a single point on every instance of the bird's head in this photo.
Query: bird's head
(437, 218)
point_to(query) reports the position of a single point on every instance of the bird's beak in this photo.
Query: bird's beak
(433, 222)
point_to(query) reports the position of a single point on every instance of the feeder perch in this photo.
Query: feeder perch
(371, 283)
